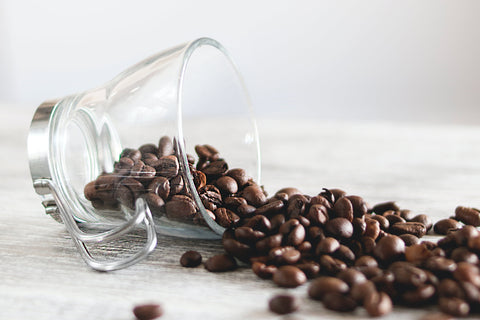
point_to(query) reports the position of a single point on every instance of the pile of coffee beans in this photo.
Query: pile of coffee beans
(356, 254)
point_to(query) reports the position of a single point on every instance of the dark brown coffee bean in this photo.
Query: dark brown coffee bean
(450, 288)
(383, 222)
(311, 269)
(221, 263)
(227, 185)
(165, 146)
(454, 306)
(289, 277)
(177, 185)
(389, 248)
(320, 200)
(337, 193)
(330, 265)
(409, 239)
(474, 244)
(248, 235)
(106, 184)
(440, 266)
(260, 223)
(239, 175)
(284, 255)
(148, 311)
(370, 272)
(293, 232)
(246, 210)
(234, 202)
(262, 270)
(372, 229)
(378, 304)
(462, 236)
(89, 191)
(148, 148)
(180, 207)
(366, 261)
(417, 253)
(191, 259)
(215, 168)
(361, 290)
(322, 286)
(327, 246)
(133, 154)
(407, 214)
(128, 191)
(423, 219)
(226, 218)
(343, 208)
(345, 254)
(409, 276)
(270, 208)
(284, 304)
(472, 293)
(154, 202)
(199, 179)
(315, 234)
(463, 254)
(254, 196)
(268, 243)
(380, 208)
(239, 250)
(339, 302)
(351, 276)
(206, 152)
(392, 217)
(296, 205)
(442, 226)
(467, 272)
(160, 186)
(469, 216)
(339, 228)
(167, 166)
(124, 166)
(359, 206)
(318, 214)
(415, 228)
(289, 191)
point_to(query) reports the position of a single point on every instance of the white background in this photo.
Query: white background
(390, 60)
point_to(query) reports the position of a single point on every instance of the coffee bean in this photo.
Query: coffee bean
(393, 218)
(180, 207)
(372, 228)
(206, 152)
(462, 235)
(155, 203)
(463, 254)
(239, 250)
(262, 270)
(260, 223)
(322, 286)
(366, 261)
(330, 265)
(311, 269)
(345, 254)
(327, 246)
(474, 244)
(467, 272)
(343, 208)
(124, 166)
(133, 154)
(321, 200)
(268, 243)
(289, 277)
(165, 146)
(359, 206)
(296, 205)
(288, 191)
(406, 214)
(409, 276)
(370, 272)
(337, 193)
(389, 248)
(148, 311)
(160, 186)
(293, 232)
(199, 179)
(128, 191)
(167, 166)
(339, 227)
(176, 185)
(254, 196)
(454, 306)
(221, 263)
(215, 168)
(148, 148)
(440, 266)
(284, 255)
(248, 235)
(227, 185)
(417, 253)
(283, 304)
(383, 222)
(226, 218)
(191, 259)
(351, 276)
(377, 304)
(450, 288)
(270, 208)
(442, 226)
(380, 208)
(339, 302)
(409, 239)
(469, 216)
(239, 175)
(361, 290)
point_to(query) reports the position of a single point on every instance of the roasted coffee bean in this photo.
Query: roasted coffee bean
(389, 248)
(227, 185)
(417, 253)
(359, 206)
(423, 219)
(469, 216)
(407, 214)
(248, 235)
(293, 232)
(454, 306)
(321, 200)
(359, 227)
(215, 168)
(143, 173)
(165, 146)
(377, 304)
(380, 208)
(199, 179)
(444, 225)
(206, 152)
(270, 208)
(167, 166)
(239, 175)
(177, 185)
(418, 296)
(89, 191)
(351, 276)
(124, 166)
(368, 244)
(289, 277)
(155, 203)
(148, 311)
(383, 222)
(472, 293)
(180, 207)
(128, 191)
(345, 254)
(254, 196)
(370, 272)
(339, 302)
(450, 288)
(221, 263)
(289, 191)
(463, 254)
(239, 250)
(393, 218)
(226, 218)
(327, 194)
(474, 244)
(343, 208)
(260, 223)
(262, 270)
(322, 286)
(149, 159)
(467, 272)
(245, 210)
(327, 246)
(337, 193)
(268, 243)
(148, 148)
(409, 276)
(415, 228)
(330, 265)
(284, 304)
(318, 214)
(311, 269)
(296, 205)
(106, 184)
(339, 228)
(440, 266)
(281, 196)
(276, 221)
(191, 259)
(372, 229)
(133, 154)
(366, 261)
(315, 234)
(160, 186)
(234, 202)
(409, 239)
(361, 290)
(462, 235)
(284, 255)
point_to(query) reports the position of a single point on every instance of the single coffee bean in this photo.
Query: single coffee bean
(234, 202)
(368, 244)
(180, 207)
(380, 208)
(227, 185)
(268, 243)
(207, 152)
(106, 185)
(351, 276)
(160, 186)
(361, 290)
(389, 248)
(176, 185)
(199, 179)
(409, 239)
(339, 302)
(226, 218)
(124, 166)
(296, 205)
(284, 255)
(215, 168)
(221, 263)
(467, 272)
(260, 223)
(321, 200)
(440, 266)
(370, 272)
(148, 311)
(133, 154)
(167, 166)
(423, 219)
(393, 218)
(246, 210)
(359, 206)
(463, 254)
(442, 226)
(288, 191)
(239, 175)
(89, 191)
(330, 265)
(366, 261)
(454, 306)
(469, 216)
(327, 246)
(378, 304)
(128, 191)
(155, 203)
(462, 235)
(472, 293)
(318, 214)
(450, 288)
(474, 244)
(339, 228)
(372, 228)
(406, 214)
(311, 269)
(148, 148)
(254, 196)
(289, 277)
(383, 222)
(409, 276)
(343, 208)
(191, 259)
(345, 254)
(248, 235)
(293, 232)
(359, 227)
(337, 193)
(270, 208)
(262, 270)
(322, 286)
(417, 253)
(239, 250)
(283, 304)
(165, 146)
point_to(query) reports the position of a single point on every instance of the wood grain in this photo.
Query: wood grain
(429, 169)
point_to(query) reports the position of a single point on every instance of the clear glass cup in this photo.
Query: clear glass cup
(191, 93)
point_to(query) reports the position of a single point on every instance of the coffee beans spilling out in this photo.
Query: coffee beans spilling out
(357, 255)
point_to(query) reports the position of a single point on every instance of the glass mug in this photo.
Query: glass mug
(191, 94)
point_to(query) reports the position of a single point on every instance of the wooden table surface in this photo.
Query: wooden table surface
(427, 168)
